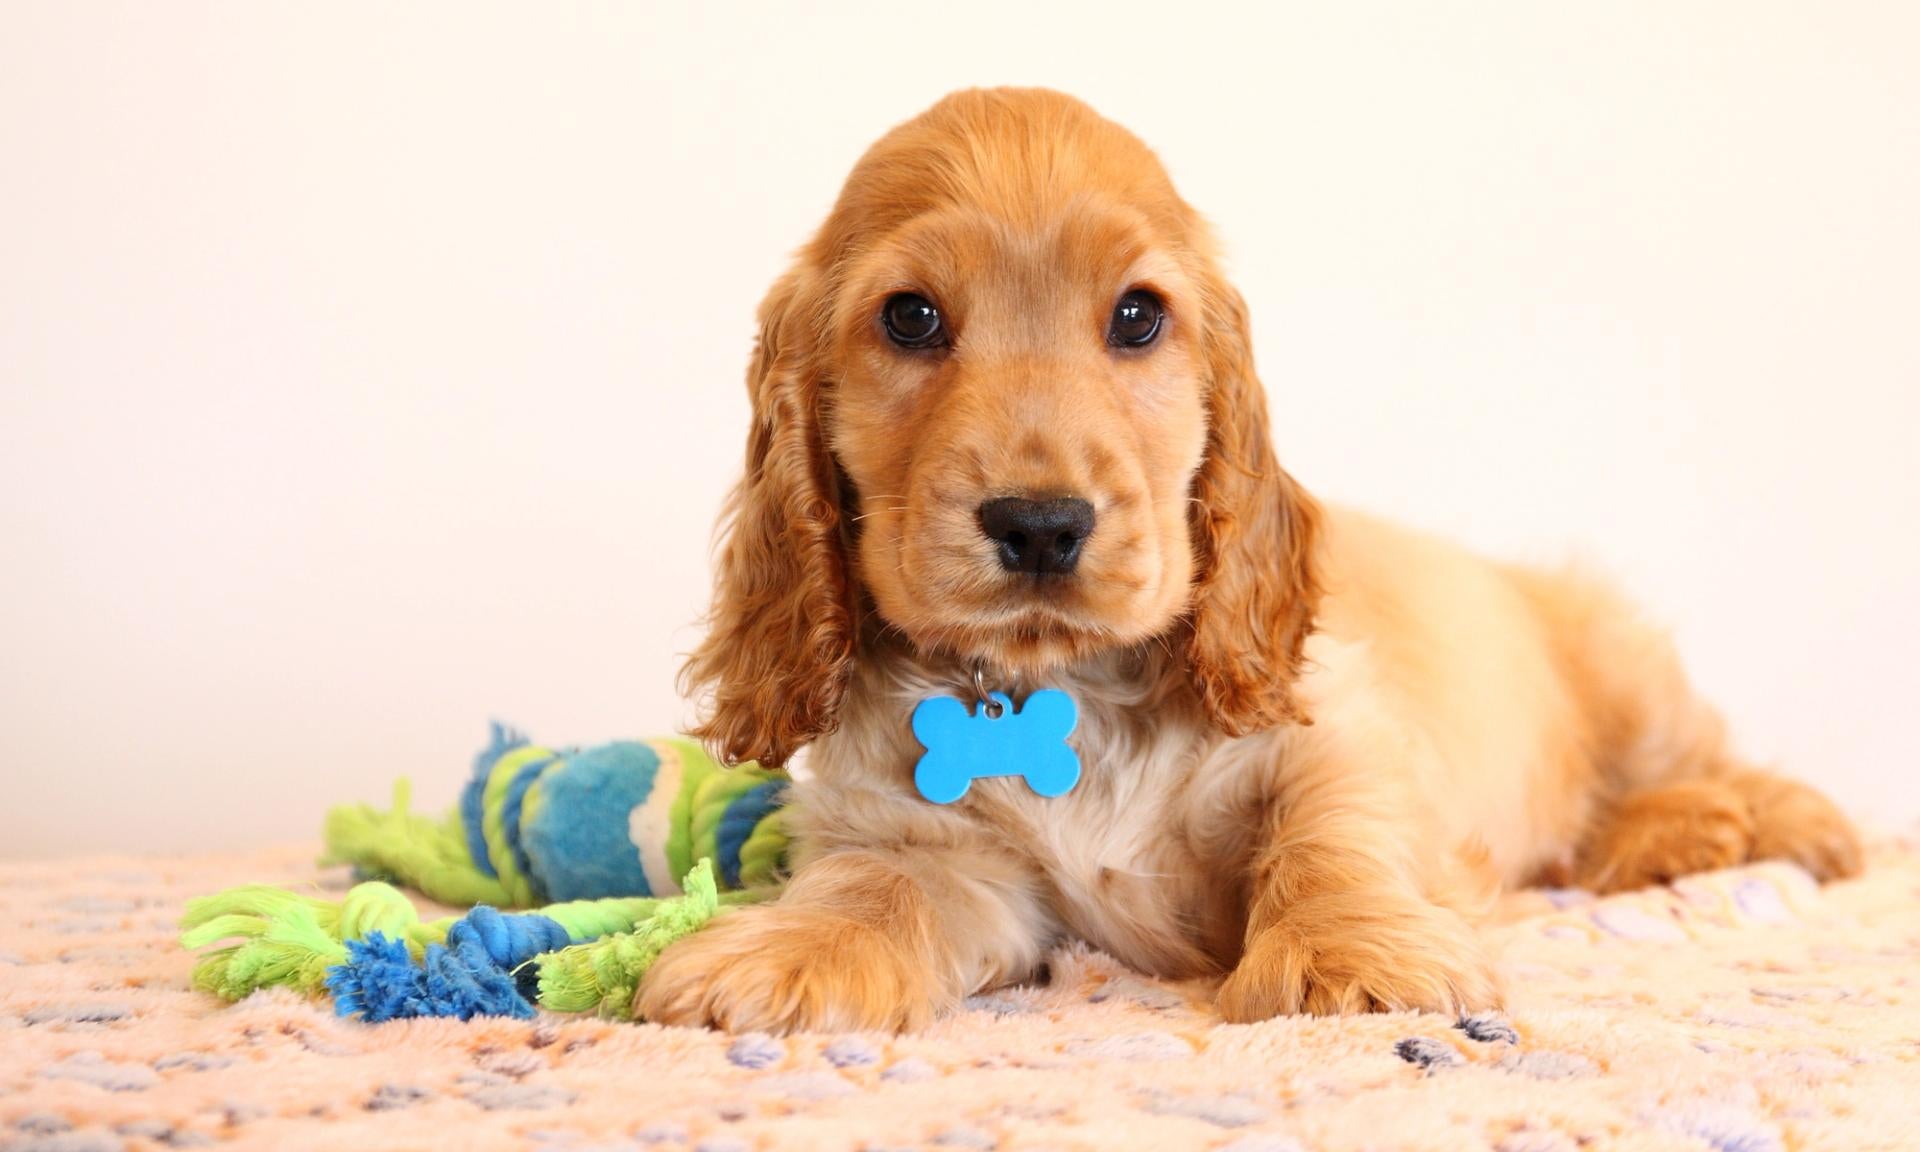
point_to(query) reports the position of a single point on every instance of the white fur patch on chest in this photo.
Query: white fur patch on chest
(1129, 868)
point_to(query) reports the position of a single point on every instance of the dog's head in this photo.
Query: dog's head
(1006, 401)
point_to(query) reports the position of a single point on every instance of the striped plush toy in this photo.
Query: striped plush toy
(640, 842)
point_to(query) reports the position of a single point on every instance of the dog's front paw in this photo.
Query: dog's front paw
(787, 969)
(1360, 952)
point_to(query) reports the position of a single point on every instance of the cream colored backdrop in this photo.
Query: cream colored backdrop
(368, 370)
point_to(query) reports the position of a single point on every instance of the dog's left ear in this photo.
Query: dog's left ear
(1253, 532)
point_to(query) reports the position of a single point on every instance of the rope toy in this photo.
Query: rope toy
(640, 843)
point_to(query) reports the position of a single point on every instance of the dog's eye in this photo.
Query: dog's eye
(1136, 319)
(912, 321)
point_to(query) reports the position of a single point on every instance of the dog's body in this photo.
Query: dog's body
(1315, 745)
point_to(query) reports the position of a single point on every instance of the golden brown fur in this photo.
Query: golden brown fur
(1315, 744)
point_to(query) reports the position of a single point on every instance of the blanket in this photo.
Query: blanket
(1743, 1011)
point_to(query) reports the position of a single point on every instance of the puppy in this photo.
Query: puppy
(1007, 436)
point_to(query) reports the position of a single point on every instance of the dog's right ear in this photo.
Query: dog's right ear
(780, 647)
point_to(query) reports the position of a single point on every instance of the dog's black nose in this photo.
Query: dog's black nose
(1037, 535)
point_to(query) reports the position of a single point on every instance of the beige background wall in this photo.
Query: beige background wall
(365, 373)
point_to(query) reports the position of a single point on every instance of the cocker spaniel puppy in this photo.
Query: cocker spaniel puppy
(1007, 437)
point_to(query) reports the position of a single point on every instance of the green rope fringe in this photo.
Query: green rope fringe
(602, 975)
(290, 940)
(423, 853)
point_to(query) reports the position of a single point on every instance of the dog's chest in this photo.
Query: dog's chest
(1135, 856)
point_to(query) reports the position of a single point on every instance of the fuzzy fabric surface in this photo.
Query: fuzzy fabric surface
(1745, 1011)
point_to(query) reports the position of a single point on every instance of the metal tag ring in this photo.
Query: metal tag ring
(992, 707)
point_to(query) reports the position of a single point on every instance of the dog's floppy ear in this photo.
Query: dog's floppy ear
(1253, 531)
(781, 642)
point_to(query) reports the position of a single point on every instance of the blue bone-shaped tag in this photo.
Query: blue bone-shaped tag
(962, 747)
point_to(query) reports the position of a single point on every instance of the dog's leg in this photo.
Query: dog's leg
(1352, 909)
(1652, 836)
(859, 940)
(1795, 823)
(1658, 834)
(1670, 797)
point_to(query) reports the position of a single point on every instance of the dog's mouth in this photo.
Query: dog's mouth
(1027, 643)
(1033, 580)
(1027, 622)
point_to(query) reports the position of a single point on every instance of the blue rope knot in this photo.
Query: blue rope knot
(483, 969)
(508, 939)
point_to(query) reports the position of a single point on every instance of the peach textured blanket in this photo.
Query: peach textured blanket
(1746, 1011)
